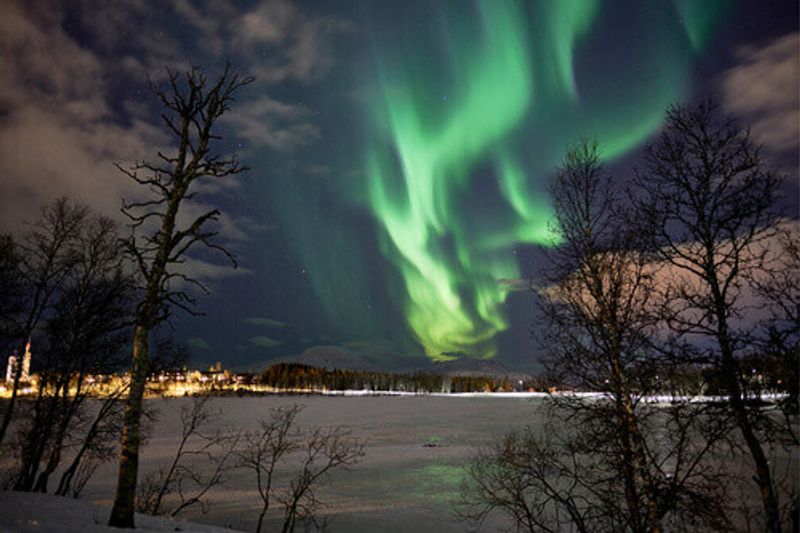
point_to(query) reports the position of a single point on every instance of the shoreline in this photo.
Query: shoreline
(356, 393)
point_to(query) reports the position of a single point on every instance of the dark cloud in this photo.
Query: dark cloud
(290, 44)
(198, 343)
(261, 341)
(264, 322)
(265, 121)
(357, 355)
(59, 134)
(515, 284)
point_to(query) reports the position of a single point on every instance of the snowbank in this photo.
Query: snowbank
(22, 512)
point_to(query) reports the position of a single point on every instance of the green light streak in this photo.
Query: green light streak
(451, 277)
(509, 78)
(466, 108)
(698, 18)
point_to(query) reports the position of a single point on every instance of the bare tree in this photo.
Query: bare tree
(534, 478)
(777, 350)
(191, 107)
(708, 200)
(560, 476)
(611, 462)
(11, 291)
(201, 461)
(266, 448)
(83, 334)
(596, 309)
(779, 342)
(98, 445)
(44, 258)
(324, 450)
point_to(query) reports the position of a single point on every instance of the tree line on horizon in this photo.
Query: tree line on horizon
(764, 373)
(295, 376)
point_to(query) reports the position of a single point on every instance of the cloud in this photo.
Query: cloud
(263, 342)
(206, 22)
(334, 356)
(356, 355)
(680, 292)
(268, 122)
(264, 322)
(512, 284)
(206, 271)
(58, 134)
(290, 44)
(764, 89)
(198, 343)
(135, 35)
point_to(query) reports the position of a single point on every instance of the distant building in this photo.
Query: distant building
(11, 368)
(13, 365)
(26, 362)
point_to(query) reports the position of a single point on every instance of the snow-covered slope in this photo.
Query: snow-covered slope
(28, 513)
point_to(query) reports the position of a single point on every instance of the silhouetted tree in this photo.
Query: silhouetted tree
(559, 475)
(266, 448)
(159, 244)
(325, 450)
(322, 451)
(185, 481)
(45, 257)
(97, 446)
(708, 201)
(11, 291)
(780, 343)
(612, 462)
(83, 334)
(597, 325)
(169, 355)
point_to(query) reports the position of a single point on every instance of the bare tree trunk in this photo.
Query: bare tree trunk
(65, 483)
(124, 502)
(635, 464)
(291, 516)
(261, 518)
(763, 477)
(37, 439)
(67, 414)
(189, 115)
(629, 475)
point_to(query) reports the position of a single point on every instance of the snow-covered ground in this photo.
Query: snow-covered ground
(44, 513)
(655, 398)
(409, 480)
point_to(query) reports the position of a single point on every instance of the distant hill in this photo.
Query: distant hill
(373, 357)
(361, 356)
(465, 366)
(332, 357)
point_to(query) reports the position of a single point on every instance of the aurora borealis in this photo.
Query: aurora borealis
(465, 124)
(400, 152)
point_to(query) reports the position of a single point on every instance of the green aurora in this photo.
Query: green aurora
(464, 120)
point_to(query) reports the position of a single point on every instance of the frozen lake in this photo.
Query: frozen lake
(401, 484)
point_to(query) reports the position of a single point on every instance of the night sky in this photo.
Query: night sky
(400, 152)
